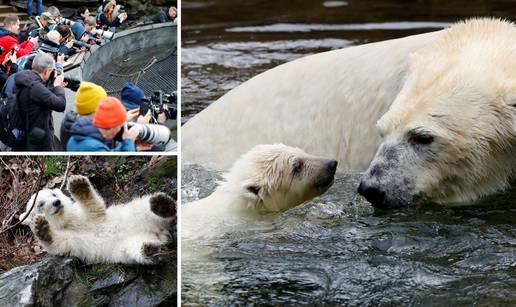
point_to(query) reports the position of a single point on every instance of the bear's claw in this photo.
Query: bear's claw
(42, 229)
(79, 185)
(155, 253)
(163, 205)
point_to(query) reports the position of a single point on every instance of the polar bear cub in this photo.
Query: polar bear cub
(268, 178)
(135, 232)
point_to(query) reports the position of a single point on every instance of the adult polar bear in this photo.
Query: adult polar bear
(327, 104)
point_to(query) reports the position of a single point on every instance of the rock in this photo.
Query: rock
(57, 281)
(40, 284)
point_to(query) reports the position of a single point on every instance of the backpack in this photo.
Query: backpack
(13, 125)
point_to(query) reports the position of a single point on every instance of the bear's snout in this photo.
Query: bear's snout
(327, 175)
(56, 203)
(373, 193)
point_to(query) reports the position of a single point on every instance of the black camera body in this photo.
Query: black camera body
(72, 83)
(79, 44)
(158, 103)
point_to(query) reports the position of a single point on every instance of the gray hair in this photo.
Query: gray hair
(91, 21)
(42, 62)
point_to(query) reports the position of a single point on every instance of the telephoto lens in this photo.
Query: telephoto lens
(152, 133)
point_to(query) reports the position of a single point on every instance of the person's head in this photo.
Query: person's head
(131, 96)
(109, 117)
(78, 31)
(47, 19)
(172, 12)
(54, 37)
(54, 11)
(88, 98)
(12, 23)
(83, 12)
(109, 8)
(43, 65)
(65, 32)
(90, 23)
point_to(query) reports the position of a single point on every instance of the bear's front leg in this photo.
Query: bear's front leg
(83, 192)
(42, 230)
(163, 205)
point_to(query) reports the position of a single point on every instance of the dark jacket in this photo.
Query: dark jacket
(86, 137)
(37, 102)
(66, 127)
(104, 21)
(5, 72)
(162, 16)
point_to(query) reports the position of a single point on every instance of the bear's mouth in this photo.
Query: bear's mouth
(57, 207)
(324, 183)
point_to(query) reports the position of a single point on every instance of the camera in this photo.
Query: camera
(79, 44)
(13, 51)
(152, 133)
(159, 103)
(72, 83)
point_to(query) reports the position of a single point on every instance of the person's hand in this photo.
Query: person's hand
(60, 58)
(142, 146)
(144, 119)
(59, 81)
(33, 40)
(10, 57)
(130, 133)
(122, 17)
(162, 118)
(132, 115)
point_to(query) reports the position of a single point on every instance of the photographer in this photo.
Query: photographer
(87, 99)
(40, 27)
(100, 133)
(132, 97)
(108, 17)
(36, 101)
(82, 15)
(8, 68)
(8, 38)
(166, 15)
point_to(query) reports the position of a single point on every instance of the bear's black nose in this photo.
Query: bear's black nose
(372, 193)
(57, 203)
(332, 166)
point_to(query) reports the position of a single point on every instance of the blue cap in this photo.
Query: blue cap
(78, 30)
(131, 96)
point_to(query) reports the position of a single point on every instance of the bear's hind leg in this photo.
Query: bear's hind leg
(163, 205)
(83, 192)
(155, 253)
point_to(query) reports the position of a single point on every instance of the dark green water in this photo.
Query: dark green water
(336, 250)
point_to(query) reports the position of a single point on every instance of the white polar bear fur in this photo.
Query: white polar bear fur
(269, 169)
(114, 237)
(327, 104)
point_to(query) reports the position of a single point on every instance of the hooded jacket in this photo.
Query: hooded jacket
(86, 137)
(37, 102)
(8, 41)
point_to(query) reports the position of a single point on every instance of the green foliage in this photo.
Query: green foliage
(55, 165)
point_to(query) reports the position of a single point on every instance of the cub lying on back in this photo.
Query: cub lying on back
(135, 232)
(269, 178)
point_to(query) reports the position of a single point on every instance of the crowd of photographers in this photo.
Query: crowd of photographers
(32, 86)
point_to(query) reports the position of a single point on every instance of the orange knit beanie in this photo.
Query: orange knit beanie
(110, 113)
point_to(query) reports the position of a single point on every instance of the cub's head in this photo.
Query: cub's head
(50, 203)
(278, 177)
(450, 134)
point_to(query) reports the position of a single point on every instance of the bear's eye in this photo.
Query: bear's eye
(297, 167)
(422, 139)
(40, 204)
